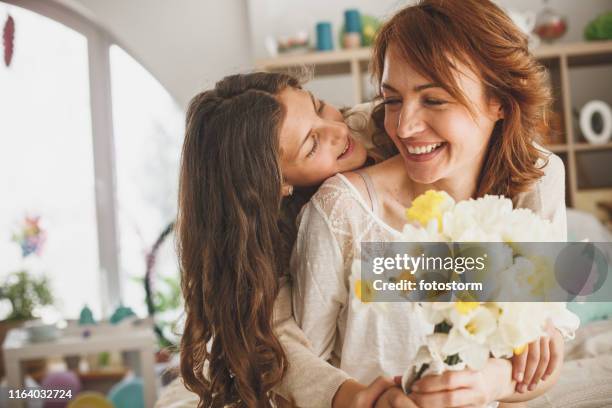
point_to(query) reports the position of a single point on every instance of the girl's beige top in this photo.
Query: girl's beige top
(357, 343)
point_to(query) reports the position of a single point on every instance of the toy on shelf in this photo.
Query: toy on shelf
(550, 24)
(67, 381)
(128, 394)
(86, 316)
(121, 313)
(90, 399)
(324, 36)
(600, 28)
(369, 28)
(596, 122)
(352, 29)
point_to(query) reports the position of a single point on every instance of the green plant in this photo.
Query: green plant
(25, 293)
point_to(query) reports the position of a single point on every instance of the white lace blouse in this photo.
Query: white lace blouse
(360, 340)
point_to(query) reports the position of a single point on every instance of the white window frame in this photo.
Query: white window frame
(98, 48)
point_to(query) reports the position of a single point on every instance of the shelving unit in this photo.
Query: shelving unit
(558, 58)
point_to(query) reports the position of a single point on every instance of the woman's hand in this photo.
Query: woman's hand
(381, 393)
(538, 361)
(465, 387)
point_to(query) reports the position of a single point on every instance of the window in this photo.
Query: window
(90, 142)
(46, 159)
(148, 136)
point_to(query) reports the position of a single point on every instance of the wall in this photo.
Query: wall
(187, 45)
(281, 17)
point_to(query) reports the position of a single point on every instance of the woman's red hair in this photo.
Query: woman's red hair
(434, 34)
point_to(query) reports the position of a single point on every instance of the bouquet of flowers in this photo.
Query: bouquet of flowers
(466, 333)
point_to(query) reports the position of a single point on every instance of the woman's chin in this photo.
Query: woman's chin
(422, 176)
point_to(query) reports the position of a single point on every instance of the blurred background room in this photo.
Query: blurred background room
(92, 101)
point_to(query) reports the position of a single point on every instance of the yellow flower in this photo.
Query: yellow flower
(429, 206)
(466, 307)
(364, 291)
(519, 350)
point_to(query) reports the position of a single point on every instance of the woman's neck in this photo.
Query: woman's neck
(460, 186)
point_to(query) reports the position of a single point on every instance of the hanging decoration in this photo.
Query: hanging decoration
(8, 39)
(31, 237)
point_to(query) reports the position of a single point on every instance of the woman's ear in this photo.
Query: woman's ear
(286, 190)
(500, 112)
(496, 109)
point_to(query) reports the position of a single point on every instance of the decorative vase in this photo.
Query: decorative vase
(550, 24)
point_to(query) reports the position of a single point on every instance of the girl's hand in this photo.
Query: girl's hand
(394, 397)
(465, 387)
(538, 361)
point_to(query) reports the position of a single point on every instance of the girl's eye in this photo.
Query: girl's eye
(321, 106)
(315, 146)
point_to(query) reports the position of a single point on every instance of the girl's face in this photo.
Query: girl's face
(315, 142)
(437, 136)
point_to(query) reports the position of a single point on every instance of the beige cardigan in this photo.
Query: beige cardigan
(313, 382)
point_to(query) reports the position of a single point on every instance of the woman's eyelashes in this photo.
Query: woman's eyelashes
(315, 145)
(427, 101)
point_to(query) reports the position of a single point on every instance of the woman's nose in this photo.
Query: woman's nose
(409, 123)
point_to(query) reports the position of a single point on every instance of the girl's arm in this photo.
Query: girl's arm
(319, 293)
(309, 380)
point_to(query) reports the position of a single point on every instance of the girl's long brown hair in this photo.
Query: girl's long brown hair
(232, 240)
(431, 35)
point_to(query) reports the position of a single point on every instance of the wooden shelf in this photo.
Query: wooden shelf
(583, 147)
(557, 148)
(317, 57)
(363, 54)
(558, 58)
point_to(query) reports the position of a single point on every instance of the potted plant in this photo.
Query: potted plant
(25, 293)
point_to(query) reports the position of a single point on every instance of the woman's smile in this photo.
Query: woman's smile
(420, 152)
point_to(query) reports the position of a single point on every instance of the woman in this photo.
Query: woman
(463, 103)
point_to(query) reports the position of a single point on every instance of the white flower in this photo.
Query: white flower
(477, 330)
(479, 220)
(413, 233)
(520, 323)
(469, 335)
(523, 225)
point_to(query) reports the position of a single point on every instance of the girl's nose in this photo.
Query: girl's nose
(335, 132)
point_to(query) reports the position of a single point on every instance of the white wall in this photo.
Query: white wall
(187, 45)
(283, 17)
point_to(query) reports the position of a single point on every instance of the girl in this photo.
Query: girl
(235, 230)
(464, 103)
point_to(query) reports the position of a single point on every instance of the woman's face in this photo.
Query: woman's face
(437, 136)
(315, 142)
